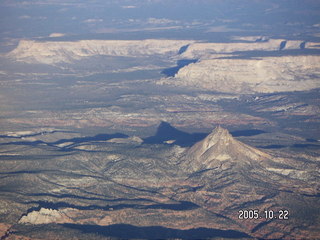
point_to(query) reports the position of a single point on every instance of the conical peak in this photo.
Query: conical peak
(220, 131)
(219, 134)
(220, 147)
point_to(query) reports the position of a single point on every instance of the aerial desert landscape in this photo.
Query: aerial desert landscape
(130, 119)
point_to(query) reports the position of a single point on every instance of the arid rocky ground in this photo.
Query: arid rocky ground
(112, 139)
(94, 188)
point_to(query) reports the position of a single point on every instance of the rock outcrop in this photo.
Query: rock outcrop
(46, 216)
(51, 52)
(220, 150)
(199, 50)
(220, 66)
(263, 75)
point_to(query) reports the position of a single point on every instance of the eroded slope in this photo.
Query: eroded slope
(103, 184)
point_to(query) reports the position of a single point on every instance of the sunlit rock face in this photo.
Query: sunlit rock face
(219, 150)
(45, 216)
(199, 50)
(255, 75)
(220, 66)
(51, 52)
(57, 52)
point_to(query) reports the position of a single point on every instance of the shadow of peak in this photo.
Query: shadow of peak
(164, 124)
(166, 132)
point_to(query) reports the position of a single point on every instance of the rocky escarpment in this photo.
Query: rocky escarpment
(271, 65)
(241, 75)
(52, 52)
(58, 52)
(203, 50)
(255, 66)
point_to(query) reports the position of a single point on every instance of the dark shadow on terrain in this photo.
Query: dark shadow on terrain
(181, 206)
(310, 195)
(31, 157)
(183, 49)
(34, 134)
(166, 132)
(261, 39)
(98, 137)
(305, 145)
(273, 146)
(298, 145)
(170, 72)
(285, 52)
(26, 171)
(155, 232)
(27, 143)
(247, 133)
(303, 45)
(311, 140)
(88, 198)
(282, 45)
(260, 225)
